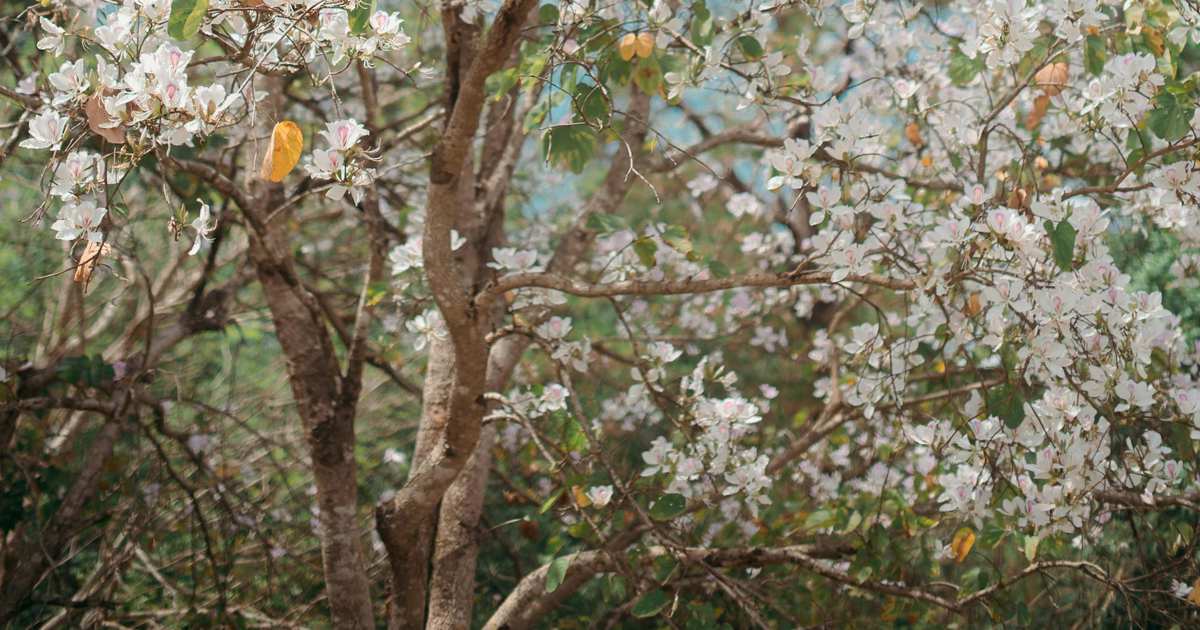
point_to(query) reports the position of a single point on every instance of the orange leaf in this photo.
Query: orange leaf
(1154, 39)
(1040, 105)
(1194, 596)
(974, 305)
(1052, 78)
(912, 131)
(627, 47)
(88, 261)
(963, 540)
(645, 45)
(283, 154)
(581, 497)
(98, 120)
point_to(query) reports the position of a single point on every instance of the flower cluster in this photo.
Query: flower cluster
(338, 164)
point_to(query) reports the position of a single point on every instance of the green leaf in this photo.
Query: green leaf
(567, 78)
(664, 566)
(498, 84)
(651, 604)
(962, 68)
(648, 75)
(701, 28)
(606, 223)
(537, 115)
(668, 506)
(750, 47)
(718, 269)
(591, 104)
(548, 14)
(645, 248)
(185, 19)
(569, 145)
(575, 440)
(1170, 119)
(1094, 55)
(990, 536)
(1032, 58)
(1031, 547)
(531, 64)
(360, 16)
(677, 237)
(1007, 403)
(820, 519)
(549, 503)
(1062, 237)
(615, 70)
(556, 573)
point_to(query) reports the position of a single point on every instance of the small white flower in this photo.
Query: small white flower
(79, 219)
(326, 163)
(600, 496)
(456, 240)
(508, 258)
(425, 326)
(744, 204)
(406, 256)
(394, 456)
(702, 184)
(554, 398)
(905, 89)
(555, 328)
(45, 131)
(53, 41)
(204, 226)
(28, 85)
(343, 134)
(69, 82)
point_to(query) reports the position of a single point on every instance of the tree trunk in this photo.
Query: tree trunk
(329, 428)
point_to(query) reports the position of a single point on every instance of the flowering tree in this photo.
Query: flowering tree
(765, 315)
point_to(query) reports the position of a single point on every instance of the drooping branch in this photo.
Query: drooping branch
(529, 601)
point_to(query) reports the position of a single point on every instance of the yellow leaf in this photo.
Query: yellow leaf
(283, 154)
(645, 45)
(1154, 39)
(581, 497)
(963, 540)
(1194, 596)
(627, 47)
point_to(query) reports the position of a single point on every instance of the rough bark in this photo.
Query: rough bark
(329, 427)
(406, 602)
(453, 284)
(452, 589)
(325, 401)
